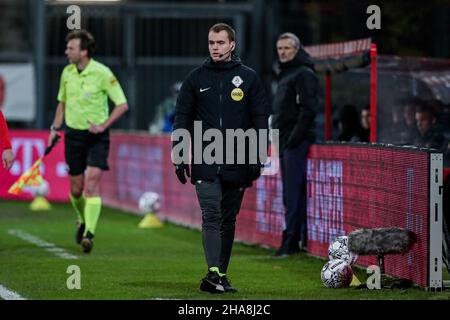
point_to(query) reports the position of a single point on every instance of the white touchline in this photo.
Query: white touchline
(7, 294)
(50, 247)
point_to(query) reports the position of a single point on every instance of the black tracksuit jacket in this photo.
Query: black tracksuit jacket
(206, 96)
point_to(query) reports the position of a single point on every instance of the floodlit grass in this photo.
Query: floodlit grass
(168, 263)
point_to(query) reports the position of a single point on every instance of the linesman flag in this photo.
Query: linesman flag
(32, 177)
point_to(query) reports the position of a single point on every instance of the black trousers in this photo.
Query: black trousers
(220, 203)
(293, 174)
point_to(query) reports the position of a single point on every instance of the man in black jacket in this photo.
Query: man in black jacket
(294, 107)
(219, 96)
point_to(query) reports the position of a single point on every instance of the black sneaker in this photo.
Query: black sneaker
(294, 250)
(80, 231)
(211, 283)
(87, 243)
(227, 285)
(281, 253)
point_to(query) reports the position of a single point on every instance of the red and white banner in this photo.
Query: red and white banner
(28, 146)
(339, 49)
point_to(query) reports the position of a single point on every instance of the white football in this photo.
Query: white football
(339, 250)
(336, 274)
(149, 202)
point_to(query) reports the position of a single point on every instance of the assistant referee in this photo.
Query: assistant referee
(85, 86)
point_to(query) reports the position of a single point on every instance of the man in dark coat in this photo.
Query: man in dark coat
(220, 96)
(295, 104)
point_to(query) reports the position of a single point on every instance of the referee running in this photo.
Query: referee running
(85, 86)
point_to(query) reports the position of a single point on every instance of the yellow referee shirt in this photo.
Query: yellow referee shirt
(85, 94)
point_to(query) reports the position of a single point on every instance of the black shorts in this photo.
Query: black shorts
(83, 149)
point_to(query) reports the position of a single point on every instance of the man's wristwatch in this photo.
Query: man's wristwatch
(53, 128)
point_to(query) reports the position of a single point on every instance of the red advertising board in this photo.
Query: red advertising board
(352, 187)
(28, 146)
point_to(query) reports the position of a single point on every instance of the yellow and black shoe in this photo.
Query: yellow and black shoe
(87, 242)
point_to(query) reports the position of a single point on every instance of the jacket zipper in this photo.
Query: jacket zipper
(220, 116)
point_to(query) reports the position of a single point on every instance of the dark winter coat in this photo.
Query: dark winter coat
(224, 95)
(296, 101)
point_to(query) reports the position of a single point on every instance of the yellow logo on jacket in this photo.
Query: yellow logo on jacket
(237, 94)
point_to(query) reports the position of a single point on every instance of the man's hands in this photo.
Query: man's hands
(180, 171)
(7, 158)
(51, 137)
(255, 171)
(95, 128)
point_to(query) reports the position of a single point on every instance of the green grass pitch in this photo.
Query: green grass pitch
(166, 263)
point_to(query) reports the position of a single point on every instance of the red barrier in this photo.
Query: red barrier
(28, 146)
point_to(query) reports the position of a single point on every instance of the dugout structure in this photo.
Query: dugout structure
(339, 57)
(354, 73)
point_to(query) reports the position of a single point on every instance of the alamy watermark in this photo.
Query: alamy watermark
(74, 20)
(374, 20)
(373, 281)
(239, 146)
(74, 280)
